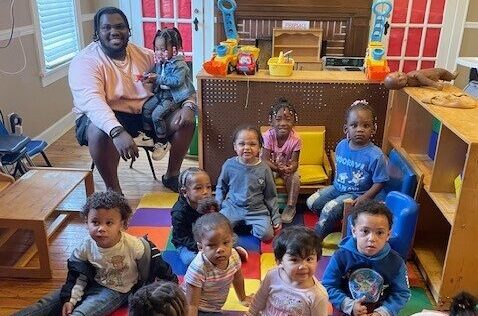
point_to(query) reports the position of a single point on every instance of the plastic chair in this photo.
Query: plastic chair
(314, 166)
(34, 146)
(405, 216)
(402, 176)
(147, 149)
(13, 150)
(15, 159)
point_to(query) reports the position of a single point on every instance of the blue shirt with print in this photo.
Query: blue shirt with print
(358, 169)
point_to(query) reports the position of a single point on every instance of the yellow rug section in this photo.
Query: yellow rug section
(158, 200)
(268, 261)
(232, 302)
(330, 243)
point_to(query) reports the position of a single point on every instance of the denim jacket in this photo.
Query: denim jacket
(177, 76)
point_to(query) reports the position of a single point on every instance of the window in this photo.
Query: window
(57, 36)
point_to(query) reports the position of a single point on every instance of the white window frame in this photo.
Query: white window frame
(454, 25)
(425, 26)
(49, 76)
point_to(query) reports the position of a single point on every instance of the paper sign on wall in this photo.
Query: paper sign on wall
(295, 25)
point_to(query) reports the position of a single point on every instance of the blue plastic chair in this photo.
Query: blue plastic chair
(402, 177)
(12, 150)
(405, 216)
(36, 146)
(33, 147)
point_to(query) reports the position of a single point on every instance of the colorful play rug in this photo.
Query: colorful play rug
(153, 217)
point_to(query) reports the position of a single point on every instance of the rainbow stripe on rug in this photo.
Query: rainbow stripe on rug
(153, 217)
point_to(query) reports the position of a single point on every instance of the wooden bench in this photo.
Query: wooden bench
(27, 204)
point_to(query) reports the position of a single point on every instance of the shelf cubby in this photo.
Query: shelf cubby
(431, 241)
(305, 46)
(449, 161)
(398, 111)
(417, 129)
(415, 135)
(446, 229)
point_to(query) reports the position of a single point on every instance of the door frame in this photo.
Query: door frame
(202, 40)
(454, 19)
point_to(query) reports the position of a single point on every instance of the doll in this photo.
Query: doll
(417, 78)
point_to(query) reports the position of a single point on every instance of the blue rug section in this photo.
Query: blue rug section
(172, 257)
(249, 242)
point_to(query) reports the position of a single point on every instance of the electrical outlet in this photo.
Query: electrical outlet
(18, 130)
(15, 123)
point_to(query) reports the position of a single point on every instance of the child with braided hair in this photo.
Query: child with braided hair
(281, 152)
(360, 170)
(195, 199)
(173, 88)
(159, 298)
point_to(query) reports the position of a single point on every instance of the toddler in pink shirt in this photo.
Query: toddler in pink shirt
(281, 152)
(291, 289)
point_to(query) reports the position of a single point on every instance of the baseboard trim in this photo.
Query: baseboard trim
(54, 132)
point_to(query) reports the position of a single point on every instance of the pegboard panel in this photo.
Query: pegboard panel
(226, 104)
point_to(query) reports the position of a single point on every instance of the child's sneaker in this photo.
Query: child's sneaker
(143, 140)
(160, 150)
(242, 252)
(288, 214)
(311, 199)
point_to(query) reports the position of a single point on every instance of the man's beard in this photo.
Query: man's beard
(114, 52)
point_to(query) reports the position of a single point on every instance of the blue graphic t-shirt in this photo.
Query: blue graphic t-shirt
(358, 169)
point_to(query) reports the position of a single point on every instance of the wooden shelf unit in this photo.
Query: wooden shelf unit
(305, 46)
(447, 222)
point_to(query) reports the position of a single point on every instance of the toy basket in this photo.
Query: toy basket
(280, 69)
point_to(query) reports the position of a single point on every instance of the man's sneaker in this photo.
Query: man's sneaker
(143, 140)
(171, 183)
(242, 252)
(288, 214)
(160, 150)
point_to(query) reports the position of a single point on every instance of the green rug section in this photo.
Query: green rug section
(169, 244)
(417, 303)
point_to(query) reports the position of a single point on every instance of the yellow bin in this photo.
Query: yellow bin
(279, 69)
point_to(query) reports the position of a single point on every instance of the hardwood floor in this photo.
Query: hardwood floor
(18, 293)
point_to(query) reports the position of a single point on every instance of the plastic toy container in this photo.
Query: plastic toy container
(280, 69)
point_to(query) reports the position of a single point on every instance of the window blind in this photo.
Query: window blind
(59, 32)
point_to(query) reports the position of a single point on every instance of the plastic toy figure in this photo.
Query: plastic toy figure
(245, 64)
(418, 78)
(376, 65)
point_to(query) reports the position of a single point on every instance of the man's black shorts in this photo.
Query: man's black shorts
(133, 123)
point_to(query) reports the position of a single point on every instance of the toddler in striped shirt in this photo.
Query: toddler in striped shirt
(215, 267)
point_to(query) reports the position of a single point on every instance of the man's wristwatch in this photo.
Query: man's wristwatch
(116, 131)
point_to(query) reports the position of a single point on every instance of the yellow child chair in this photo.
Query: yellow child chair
(314, 166)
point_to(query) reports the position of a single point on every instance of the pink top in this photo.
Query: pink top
(276, 297)
(281, 154)
(100, 85)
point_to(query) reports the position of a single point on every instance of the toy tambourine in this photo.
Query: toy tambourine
(366, 283)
